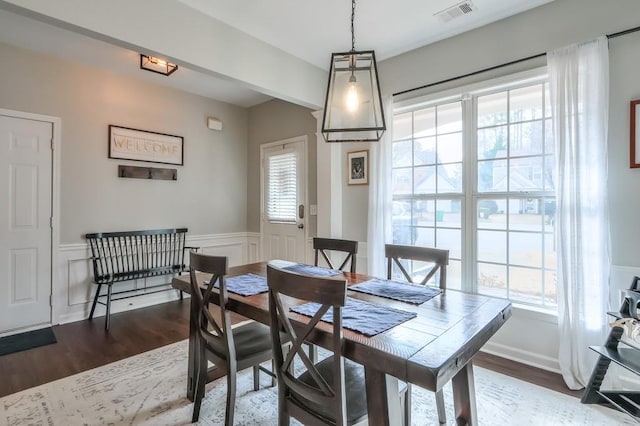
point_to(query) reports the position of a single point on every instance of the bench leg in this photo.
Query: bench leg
(106, 323)
(95, 300)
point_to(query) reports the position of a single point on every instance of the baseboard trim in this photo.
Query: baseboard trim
(523, 357)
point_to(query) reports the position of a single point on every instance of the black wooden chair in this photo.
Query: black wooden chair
(324, 245)
(331, 392)
(230, 349)
(439, 259)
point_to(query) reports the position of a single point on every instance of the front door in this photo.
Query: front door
(284, 184)
(25, 223)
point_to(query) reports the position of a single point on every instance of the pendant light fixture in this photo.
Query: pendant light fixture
(353, 106)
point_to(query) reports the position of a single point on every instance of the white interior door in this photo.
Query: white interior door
(25, 223)
(284, 199)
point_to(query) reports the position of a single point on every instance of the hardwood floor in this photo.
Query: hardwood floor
(84, 345)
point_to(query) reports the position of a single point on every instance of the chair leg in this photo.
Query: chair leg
(108, 317)
(256, 377)
(442, 416)
(407, 406)
(313, 353)
(95, 301)
(200, 377)
(283, 415)
(273, 370)
(231, 397)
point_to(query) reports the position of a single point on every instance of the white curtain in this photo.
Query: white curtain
(379, 226)
(579, 86)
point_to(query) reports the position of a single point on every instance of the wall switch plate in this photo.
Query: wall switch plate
(313, 209)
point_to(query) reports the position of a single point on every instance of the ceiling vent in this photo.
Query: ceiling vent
(462, 8)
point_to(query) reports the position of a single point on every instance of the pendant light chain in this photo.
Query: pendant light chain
(353, 15)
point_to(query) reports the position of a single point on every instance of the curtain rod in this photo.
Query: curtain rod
(506, 64)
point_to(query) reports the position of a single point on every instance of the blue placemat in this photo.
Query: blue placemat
(245, 285)
(364, 317)
(301, 268)
(395, 290)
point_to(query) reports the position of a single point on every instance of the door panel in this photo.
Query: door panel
(283, 221)
(25, 230)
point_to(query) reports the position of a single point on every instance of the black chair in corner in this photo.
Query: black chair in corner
(230, 349)
(324, 245)
(439, 259)
(331, 392)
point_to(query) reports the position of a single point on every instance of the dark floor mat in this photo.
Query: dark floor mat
(28, 340)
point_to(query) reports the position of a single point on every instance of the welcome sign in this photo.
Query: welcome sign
(141, 145)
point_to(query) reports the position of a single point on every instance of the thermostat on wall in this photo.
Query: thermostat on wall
(214, 123)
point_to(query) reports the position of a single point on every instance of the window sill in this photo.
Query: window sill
(534, 313)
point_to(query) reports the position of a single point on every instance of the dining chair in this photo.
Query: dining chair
(230, 349)
(439, 259)
(331, 392)
(326, 246)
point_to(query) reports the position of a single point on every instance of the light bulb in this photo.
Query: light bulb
(351, 99)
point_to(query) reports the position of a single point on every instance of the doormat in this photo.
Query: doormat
(28, 340)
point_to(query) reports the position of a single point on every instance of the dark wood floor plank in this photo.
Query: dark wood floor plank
(84, 345)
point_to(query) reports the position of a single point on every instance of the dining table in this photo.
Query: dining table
(433, 348)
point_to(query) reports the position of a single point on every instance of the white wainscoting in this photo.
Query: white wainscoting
(73, 291)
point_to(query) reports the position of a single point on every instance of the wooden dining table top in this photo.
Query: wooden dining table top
(428, 350)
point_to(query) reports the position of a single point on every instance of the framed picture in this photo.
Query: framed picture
(635, 134)
(142, 145)
(358, 167)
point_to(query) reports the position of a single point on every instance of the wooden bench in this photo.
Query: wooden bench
(132, 255)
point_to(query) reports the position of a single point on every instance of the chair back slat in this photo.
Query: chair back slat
(219, 334)
(324, 245)
(284, 288)
(439, 259)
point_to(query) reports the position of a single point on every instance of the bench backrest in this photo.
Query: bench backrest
(120, 256)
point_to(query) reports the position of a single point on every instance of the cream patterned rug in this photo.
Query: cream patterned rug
(150, 389)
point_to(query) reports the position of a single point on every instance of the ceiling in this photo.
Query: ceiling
(309, 30)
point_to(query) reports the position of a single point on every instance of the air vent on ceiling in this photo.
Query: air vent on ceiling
(455, 11)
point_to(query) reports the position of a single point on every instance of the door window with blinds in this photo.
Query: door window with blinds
(282, 191)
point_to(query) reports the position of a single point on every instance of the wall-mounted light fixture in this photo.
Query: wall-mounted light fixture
(353, 107)
(153, 64)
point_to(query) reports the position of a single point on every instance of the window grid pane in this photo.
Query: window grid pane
(514, 199)
(437, 168)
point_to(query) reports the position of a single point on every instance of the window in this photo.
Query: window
(281, 197)
(475, 174)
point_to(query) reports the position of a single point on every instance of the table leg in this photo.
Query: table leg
(383, 399)
(464, 396)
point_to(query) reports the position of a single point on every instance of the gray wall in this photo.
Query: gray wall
(547, 27)
(355, 199)
(209, 196)
(270, 122)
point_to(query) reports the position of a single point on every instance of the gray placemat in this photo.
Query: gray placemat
(364, 317)
(245, 285)
(395, 290)
(301, 268)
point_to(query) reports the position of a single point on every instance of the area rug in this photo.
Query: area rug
(29, 340)
(150, 388)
